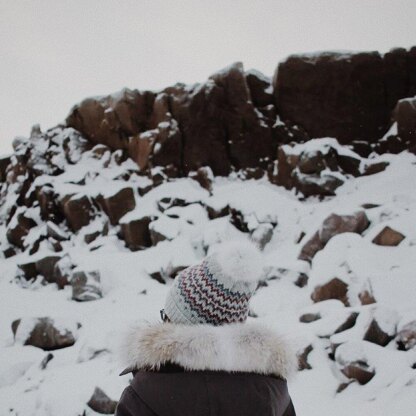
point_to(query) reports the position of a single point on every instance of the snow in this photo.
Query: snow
(130, 295)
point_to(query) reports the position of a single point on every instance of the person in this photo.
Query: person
(204, 358)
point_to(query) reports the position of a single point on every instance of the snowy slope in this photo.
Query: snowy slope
(130, 295)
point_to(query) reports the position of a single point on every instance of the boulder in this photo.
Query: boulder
(378, 335)
(27, 269)
(117, 204)
(373, 168)
(78, 210)
(406, 337)
(352, 358)
(46, 333)
(19, 227)
(388, 237)
(333, 225)
(358, 370)
(159, 146)
(86, 285)
(136, 233)
(101, 403)
(334, 289)
(46, 267)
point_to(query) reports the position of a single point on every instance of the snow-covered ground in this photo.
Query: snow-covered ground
(130, 295)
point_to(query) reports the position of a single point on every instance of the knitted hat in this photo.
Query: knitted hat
(216, 291)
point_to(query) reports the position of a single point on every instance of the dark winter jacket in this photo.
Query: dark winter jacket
(202, 370)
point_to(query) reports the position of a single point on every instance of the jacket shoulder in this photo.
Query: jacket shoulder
(130, 404)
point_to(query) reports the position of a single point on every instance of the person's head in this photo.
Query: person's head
(218, 290)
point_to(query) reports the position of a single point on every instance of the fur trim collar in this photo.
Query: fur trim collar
(240, 347)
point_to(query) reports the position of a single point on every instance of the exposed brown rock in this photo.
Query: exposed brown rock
(344, 95)
(110, 120)
(46, 267)
(19, 228)
(333, 225)
(376, 335)
(308, 171)
(348, 323)
(303, 358)
(45, 335)
(220, 124)
(101, 403)
(334, 289)
(359, 371)
(374, 168)
(366, 298)
(28, 269)
(78, 210)
(118, 204)
(136, 233)
(388, 237)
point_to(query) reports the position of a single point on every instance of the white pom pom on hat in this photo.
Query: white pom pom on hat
(239, 260)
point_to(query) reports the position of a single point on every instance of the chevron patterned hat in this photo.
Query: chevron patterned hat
(218, 290)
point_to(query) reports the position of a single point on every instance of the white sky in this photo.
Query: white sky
(53, 53)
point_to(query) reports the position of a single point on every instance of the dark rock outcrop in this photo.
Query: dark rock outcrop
(349, 96)
(111, 119)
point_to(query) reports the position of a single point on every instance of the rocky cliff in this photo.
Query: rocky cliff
(98, 215)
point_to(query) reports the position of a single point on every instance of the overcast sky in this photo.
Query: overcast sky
(53, 53)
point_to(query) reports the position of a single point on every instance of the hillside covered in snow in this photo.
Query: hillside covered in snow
(98, 215)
